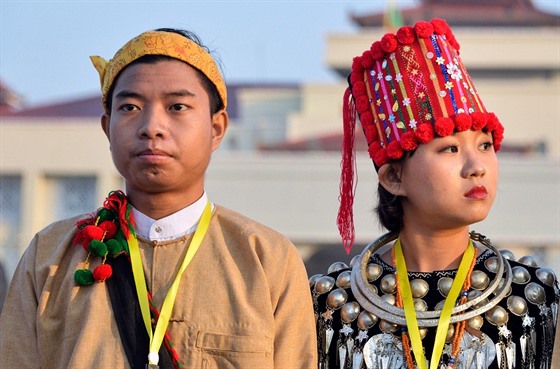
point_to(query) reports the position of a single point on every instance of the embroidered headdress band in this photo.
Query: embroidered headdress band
(159, 43)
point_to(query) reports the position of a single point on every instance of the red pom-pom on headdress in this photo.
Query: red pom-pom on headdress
(444, 126)
(376, 50)
(394, 150)
(463, 122)
(366, 119)
(408, 141)
(405, 35)
(479, 120)
(367, 60)
(380, 158)
(356, 76)
(423, 29)
(362, 104)
(424, 133)
(498, 136)
(492, 122)
(357, 66)
(359, 88)
(440, 26)
(369, 129)
(389, 43)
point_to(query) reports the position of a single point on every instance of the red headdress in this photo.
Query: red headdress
(407, 89)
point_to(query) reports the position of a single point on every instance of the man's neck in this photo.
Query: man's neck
(160, 205)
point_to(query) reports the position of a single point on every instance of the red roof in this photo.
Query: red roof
(469, 13)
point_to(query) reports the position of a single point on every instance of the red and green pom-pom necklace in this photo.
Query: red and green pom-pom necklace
(104, 235)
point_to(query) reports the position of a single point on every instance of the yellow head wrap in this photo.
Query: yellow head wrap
(159, 43)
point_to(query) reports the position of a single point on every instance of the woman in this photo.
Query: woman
(430, 293)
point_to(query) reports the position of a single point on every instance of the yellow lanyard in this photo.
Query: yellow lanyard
(410, 312)
(156, 337)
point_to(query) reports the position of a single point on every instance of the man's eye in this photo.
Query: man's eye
(178, 107)
(128, 107)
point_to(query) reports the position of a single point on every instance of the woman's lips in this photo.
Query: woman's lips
(477, 192)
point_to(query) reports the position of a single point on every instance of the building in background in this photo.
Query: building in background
(280, 161)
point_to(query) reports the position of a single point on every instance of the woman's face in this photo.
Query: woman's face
(449, 182)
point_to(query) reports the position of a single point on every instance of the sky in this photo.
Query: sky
(45, 45)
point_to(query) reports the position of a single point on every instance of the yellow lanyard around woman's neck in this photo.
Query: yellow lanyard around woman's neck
(156, 337)
(410, 312)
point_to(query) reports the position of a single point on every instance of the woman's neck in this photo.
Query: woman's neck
(428, 252)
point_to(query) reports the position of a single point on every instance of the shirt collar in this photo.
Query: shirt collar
(173, 226)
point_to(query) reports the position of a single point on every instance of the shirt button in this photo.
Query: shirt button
(158, 229)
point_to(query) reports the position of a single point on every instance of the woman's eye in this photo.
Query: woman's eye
(451, 149)
(487, 146)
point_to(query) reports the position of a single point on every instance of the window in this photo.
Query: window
(10, 222)
(73, 196)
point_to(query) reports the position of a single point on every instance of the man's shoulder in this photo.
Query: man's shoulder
(61, 227)
(231, 220)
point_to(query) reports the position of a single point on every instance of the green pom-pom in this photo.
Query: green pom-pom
(105, 214)
(83, 277)
(114, 247)
(122, 239)
(98, 248)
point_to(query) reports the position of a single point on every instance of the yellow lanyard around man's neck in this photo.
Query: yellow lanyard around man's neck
(156, 336)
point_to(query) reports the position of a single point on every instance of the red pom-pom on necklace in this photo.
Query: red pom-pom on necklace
(110, 229)
(94, 232)
(102, 272)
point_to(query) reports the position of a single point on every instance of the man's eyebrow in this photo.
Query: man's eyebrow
(180, 93)
(131, 94)
(127, 94)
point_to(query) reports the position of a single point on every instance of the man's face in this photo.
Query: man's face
(160, 129)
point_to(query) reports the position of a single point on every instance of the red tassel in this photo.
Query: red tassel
(118, 203)
(348, 175)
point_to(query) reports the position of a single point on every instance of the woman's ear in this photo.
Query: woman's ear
(390, 178)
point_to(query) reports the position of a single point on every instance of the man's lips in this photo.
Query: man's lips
(153, 156)
(153, 152)
(477, 192)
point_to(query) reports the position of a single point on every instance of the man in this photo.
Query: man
(164, 278)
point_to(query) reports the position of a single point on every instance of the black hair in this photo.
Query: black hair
(216, 103)
(389, 209)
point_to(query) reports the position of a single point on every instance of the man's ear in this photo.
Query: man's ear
(220, 122)
(390, 178)
(105, 120)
